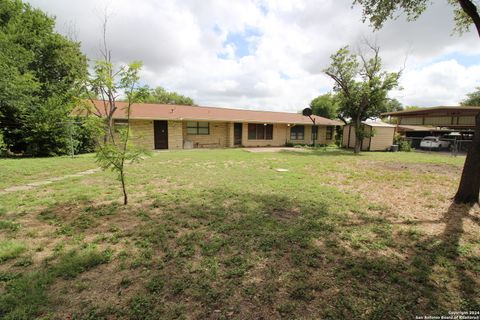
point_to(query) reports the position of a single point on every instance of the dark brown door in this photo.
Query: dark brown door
(160, 129)
(237, 134)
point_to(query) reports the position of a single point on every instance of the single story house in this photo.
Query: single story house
(380, 140)
(166, 126)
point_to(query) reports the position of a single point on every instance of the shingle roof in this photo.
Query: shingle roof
(181, 112)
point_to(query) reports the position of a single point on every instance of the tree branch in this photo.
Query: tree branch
(471, 10)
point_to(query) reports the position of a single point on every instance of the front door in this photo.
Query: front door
(160, 130)
(237, 134)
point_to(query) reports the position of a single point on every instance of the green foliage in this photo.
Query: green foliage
(325, 106)
(473, 98)
(403, 145)
(39, 75)
(393, 105)
(3, 145)
(412, 108)
(361, 86)
(117, 148)
(160, 95)
(379, 11)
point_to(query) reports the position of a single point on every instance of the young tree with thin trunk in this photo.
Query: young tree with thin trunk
(466, 13)
(108, 82)
(361, 87)
(118, 150)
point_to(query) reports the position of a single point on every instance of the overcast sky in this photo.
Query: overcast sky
(269, 54)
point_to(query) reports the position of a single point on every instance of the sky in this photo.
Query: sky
(270, 54)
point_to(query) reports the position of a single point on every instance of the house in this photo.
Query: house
(165, 126)
(379, 136)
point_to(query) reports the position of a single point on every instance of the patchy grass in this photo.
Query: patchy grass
(20, 171)
(10, 249)
(220, 234)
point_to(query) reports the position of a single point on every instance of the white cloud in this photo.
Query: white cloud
(182, 45)
(442, 83)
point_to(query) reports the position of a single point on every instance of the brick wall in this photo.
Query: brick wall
(142, 133)
(218, 137)
(175, 135)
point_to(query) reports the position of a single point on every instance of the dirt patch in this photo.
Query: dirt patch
(418, 167)
(285, 214)
(105, 286)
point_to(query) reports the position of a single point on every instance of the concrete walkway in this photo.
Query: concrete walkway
(32, 185)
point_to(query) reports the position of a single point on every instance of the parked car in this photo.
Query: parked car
(434, 143)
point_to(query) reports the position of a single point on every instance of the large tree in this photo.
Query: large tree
(160, 95)
(325, 106)
(466, 14)
(40, 73)
(361, 86)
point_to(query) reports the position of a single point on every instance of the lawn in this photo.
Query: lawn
(221, 234)
(25, 170)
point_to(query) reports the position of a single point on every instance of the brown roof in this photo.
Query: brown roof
(181, 112)
(471, 110)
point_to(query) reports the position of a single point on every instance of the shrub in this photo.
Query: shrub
(3, 145)
(405, 146)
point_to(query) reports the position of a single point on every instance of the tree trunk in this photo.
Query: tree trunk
(124, 189)
(358, 136)
(469, 188)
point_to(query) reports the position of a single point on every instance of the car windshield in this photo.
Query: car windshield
(429, 139)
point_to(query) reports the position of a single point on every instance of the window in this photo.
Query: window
(198, 128)
(297, 132)
(120, 122)
(315, 132)
(260, 131)
(330, 132)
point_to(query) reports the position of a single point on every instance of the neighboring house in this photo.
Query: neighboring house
(435, 121)
(378, 136)
(458, 118)
(164, 126)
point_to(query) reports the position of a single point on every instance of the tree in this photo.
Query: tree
(473, 98)
(393, 105)
(118, 149)
(40, 73)
(466, 13)
(412, 108)
(325, 106)
(361, 87)
(160, 95)
(115, 149)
